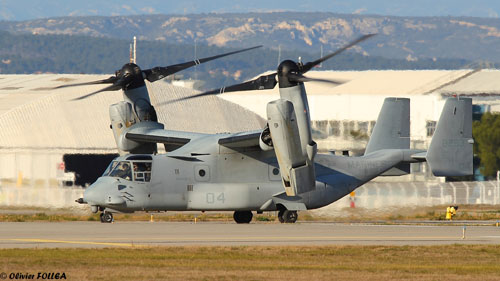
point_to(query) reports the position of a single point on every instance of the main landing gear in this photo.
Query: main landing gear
(242, 216)
(106, 217)
(284, 216)
(287, 216)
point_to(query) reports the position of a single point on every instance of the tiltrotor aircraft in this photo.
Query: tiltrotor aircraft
(276, 168)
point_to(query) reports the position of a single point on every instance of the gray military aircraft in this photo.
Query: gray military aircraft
(273, 169)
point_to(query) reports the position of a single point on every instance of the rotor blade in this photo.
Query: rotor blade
(122, 81)
(261, 83)
(308, 66)
(109, 80)
(108, 88)
(157, 73)
(301, 78)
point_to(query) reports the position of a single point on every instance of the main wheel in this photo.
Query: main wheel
(280, 216)
(242, 216)
(290, 216)
(106, 217)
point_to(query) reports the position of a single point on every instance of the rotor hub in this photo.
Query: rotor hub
(131, 74)
(284, 69)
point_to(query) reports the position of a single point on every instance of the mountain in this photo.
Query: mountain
(28, 53)
(410, 38)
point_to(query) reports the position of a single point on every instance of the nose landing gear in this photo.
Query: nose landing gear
(106, 217)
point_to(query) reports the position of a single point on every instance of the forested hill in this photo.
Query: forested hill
(27, 53)
(411, 38)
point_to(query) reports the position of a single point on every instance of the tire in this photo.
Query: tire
(242, 216)
(106, 217)
(290, 216)
(280, 216)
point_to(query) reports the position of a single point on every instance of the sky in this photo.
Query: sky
(19, 10)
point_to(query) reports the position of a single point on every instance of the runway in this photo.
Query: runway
(147, 234)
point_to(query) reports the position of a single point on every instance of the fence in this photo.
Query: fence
(45, 197)
(373, 195)
(385, 196)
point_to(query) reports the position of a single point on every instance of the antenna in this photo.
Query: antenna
(321, 64)
(135, 49)
(130, 55)
(195, 70)
(279, 54)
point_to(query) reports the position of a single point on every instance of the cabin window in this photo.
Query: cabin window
(142, 170)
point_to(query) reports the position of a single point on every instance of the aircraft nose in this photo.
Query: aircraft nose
(91, 194)
(95, 193)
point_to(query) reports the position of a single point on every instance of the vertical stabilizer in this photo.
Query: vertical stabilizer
(392, 130)
(450, 151)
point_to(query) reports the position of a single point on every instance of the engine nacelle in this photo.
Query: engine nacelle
(122, 119)
(297, 170)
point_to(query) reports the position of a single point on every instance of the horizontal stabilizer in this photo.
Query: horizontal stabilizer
(450, 151)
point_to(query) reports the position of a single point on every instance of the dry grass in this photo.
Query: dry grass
(455, 262)
(434, 213)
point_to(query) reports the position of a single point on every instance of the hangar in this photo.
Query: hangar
(41, 127)
(343, 116)
(44, 132)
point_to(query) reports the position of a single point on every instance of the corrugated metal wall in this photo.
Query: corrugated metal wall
(50, 120)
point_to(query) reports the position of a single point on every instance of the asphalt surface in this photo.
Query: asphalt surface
(140, 234)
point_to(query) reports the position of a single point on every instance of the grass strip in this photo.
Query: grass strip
(453, 262)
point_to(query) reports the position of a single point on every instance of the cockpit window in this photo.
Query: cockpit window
(110, 168)
(120, 169)
(142, 171)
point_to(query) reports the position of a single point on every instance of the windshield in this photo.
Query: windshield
(120, 169)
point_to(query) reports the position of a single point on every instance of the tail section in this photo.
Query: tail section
(392, 131)
(450, 151)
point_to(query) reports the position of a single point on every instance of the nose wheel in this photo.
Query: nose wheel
(287, 216)
(106, 217)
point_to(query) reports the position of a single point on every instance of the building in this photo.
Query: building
(41, 127)
(343, 116)
(44, 132)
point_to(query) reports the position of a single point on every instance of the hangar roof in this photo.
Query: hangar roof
(378, 82)
(34, 116)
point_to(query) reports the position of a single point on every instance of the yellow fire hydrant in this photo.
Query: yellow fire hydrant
(450, 212)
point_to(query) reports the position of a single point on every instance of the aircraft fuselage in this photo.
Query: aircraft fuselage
(232, 181)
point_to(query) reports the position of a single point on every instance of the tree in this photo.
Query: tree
(487, 143)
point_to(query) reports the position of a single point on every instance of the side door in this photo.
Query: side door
(141, 174)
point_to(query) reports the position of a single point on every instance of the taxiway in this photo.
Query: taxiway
(139, 234)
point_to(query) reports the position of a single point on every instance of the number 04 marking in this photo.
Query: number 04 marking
(211, 198)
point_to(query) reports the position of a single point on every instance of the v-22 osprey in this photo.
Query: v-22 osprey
(276, 168)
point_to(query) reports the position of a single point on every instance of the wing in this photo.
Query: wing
(241, 140)
(171, 139)
(198, 142)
